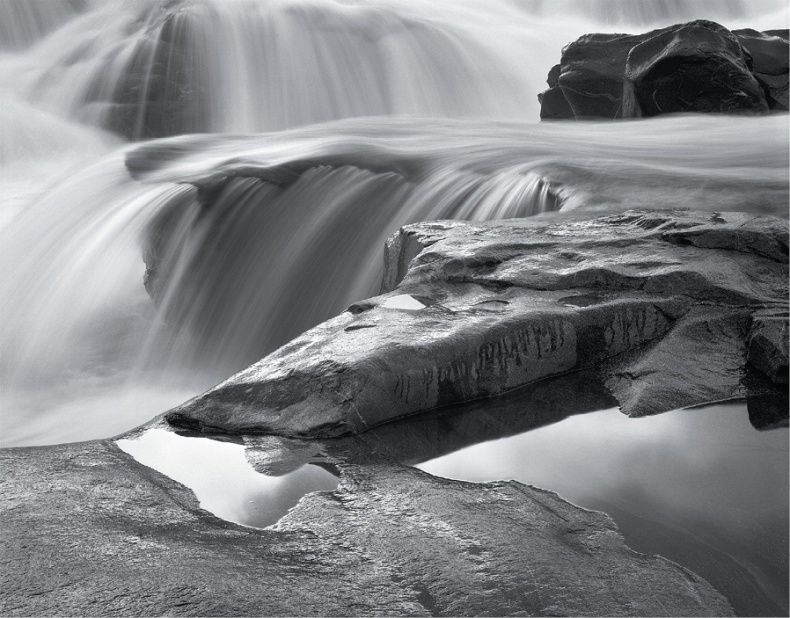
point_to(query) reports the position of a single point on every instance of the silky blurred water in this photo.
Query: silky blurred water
(423, 111)
(188, 184)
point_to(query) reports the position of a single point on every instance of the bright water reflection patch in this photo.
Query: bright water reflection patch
(223, 480)
(701, 487)
(403, 301)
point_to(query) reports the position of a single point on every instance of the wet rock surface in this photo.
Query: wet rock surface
(699, 66)
(769, 53)
(89, 531)
(638, 297)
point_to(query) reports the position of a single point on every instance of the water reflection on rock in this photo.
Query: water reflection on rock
(445, 430)
(700, 487)
(253, 490)
(706, 487)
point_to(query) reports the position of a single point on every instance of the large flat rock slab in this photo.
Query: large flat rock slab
(662, 305)
(86, 530)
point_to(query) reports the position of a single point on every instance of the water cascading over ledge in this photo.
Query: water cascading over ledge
(426, 110)
(87, 327)
(147, 69)
(195, 66)
(234, 278)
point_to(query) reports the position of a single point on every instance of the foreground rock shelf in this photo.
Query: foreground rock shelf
(474, 310)
(89, 531)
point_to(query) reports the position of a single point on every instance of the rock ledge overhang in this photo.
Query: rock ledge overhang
(673, 309)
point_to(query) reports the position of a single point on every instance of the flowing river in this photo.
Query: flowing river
(188, 184)
(338, 122)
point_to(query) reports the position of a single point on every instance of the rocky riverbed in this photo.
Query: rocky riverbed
(532, 320)
(362, 467)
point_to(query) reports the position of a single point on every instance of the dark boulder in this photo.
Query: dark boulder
(769, 52)
(553, 104)
(695, 67)
(768, 343)
(591, 74)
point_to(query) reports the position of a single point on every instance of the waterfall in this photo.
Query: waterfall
(303, 134)
(147, 69)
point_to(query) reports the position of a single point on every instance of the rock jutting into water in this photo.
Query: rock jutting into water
(695, 67)
(641, 297)
(117, 538)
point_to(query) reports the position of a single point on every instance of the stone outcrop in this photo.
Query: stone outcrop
(769, 52)
(768, 343)
(695, 67)
(86, 531)
(588, 82)
(470, 311)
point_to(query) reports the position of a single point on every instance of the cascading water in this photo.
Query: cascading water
(137, 275)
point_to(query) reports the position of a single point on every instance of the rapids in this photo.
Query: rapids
(299, 135)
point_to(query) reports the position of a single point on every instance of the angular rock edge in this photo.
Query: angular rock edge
(673, 309)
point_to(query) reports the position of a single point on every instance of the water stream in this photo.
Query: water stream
(249, 239)
(188, 184)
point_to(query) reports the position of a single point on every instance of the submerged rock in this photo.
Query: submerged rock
(640, 297)
(699, 66)
(89, 531)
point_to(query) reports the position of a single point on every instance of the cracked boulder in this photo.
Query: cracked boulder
(769, 52)
(659, 304)
(698, 66)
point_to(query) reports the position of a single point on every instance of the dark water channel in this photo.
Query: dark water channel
(706, 487)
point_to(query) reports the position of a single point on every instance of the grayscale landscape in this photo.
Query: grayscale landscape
(394, 307)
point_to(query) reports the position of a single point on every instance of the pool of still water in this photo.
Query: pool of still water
(223, 480)
(701, 487)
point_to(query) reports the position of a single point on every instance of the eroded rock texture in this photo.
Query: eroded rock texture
(661, 304)
(88, 531)
(695, 67)
(769, 52)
